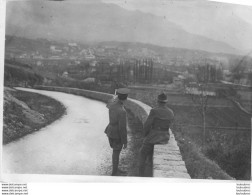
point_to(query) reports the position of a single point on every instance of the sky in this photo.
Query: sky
(132, 3)
(201, 17)
(228, 23)
(161, 7)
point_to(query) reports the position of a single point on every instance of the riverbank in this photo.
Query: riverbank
(26, 112)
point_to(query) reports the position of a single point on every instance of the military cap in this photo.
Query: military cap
(162, 97)
(123, 91)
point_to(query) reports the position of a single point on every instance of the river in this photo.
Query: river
(75, 144)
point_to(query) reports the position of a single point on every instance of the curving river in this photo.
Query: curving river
(75, 144)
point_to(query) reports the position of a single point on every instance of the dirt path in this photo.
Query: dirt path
(75, 144)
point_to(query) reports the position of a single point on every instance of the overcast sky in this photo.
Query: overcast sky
(228, 23)
(200, 17)
(164, 7)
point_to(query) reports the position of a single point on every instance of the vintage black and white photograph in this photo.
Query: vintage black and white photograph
(128, 88)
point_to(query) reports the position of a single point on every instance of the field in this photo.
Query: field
(228, 135)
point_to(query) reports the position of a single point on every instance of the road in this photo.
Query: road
(75, 144)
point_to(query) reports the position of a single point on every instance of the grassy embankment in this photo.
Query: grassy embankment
(26, 112)
(226, 152)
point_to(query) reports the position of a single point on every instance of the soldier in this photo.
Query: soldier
(156, 130)
(116, 129)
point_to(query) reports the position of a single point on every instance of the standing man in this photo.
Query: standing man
(117, 127)
(156, 130)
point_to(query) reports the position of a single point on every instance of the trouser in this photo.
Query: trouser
(146, 153)
(115, 161)
(116, 145)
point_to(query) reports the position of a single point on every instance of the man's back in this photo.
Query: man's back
(117, 122)
(115, 110)
(156, 129)
(162, 117)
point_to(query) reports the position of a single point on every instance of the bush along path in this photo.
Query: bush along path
(26, 112)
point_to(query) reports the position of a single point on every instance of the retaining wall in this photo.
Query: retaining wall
(167, 160)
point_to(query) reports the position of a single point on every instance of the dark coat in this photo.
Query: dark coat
(117, 127)
(156, 127)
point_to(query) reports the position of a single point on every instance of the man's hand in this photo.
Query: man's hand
(124, 146)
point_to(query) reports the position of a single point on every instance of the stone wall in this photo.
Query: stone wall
(167, 160)
(138, 108)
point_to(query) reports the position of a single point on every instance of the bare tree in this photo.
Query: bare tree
(200, 98)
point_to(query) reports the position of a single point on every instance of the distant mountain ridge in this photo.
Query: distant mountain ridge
(101, 22)
(218, 21)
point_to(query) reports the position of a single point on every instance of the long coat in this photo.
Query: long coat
(156, 127)
(117, 127)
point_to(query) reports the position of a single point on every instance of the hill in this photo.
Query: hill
(25, 113)
(225, 22)
(20, 45)
(18, 74)
(88, 22)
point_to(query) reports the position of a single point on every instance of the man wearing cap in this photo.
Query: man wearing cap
(116, 129)
(156, 130)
